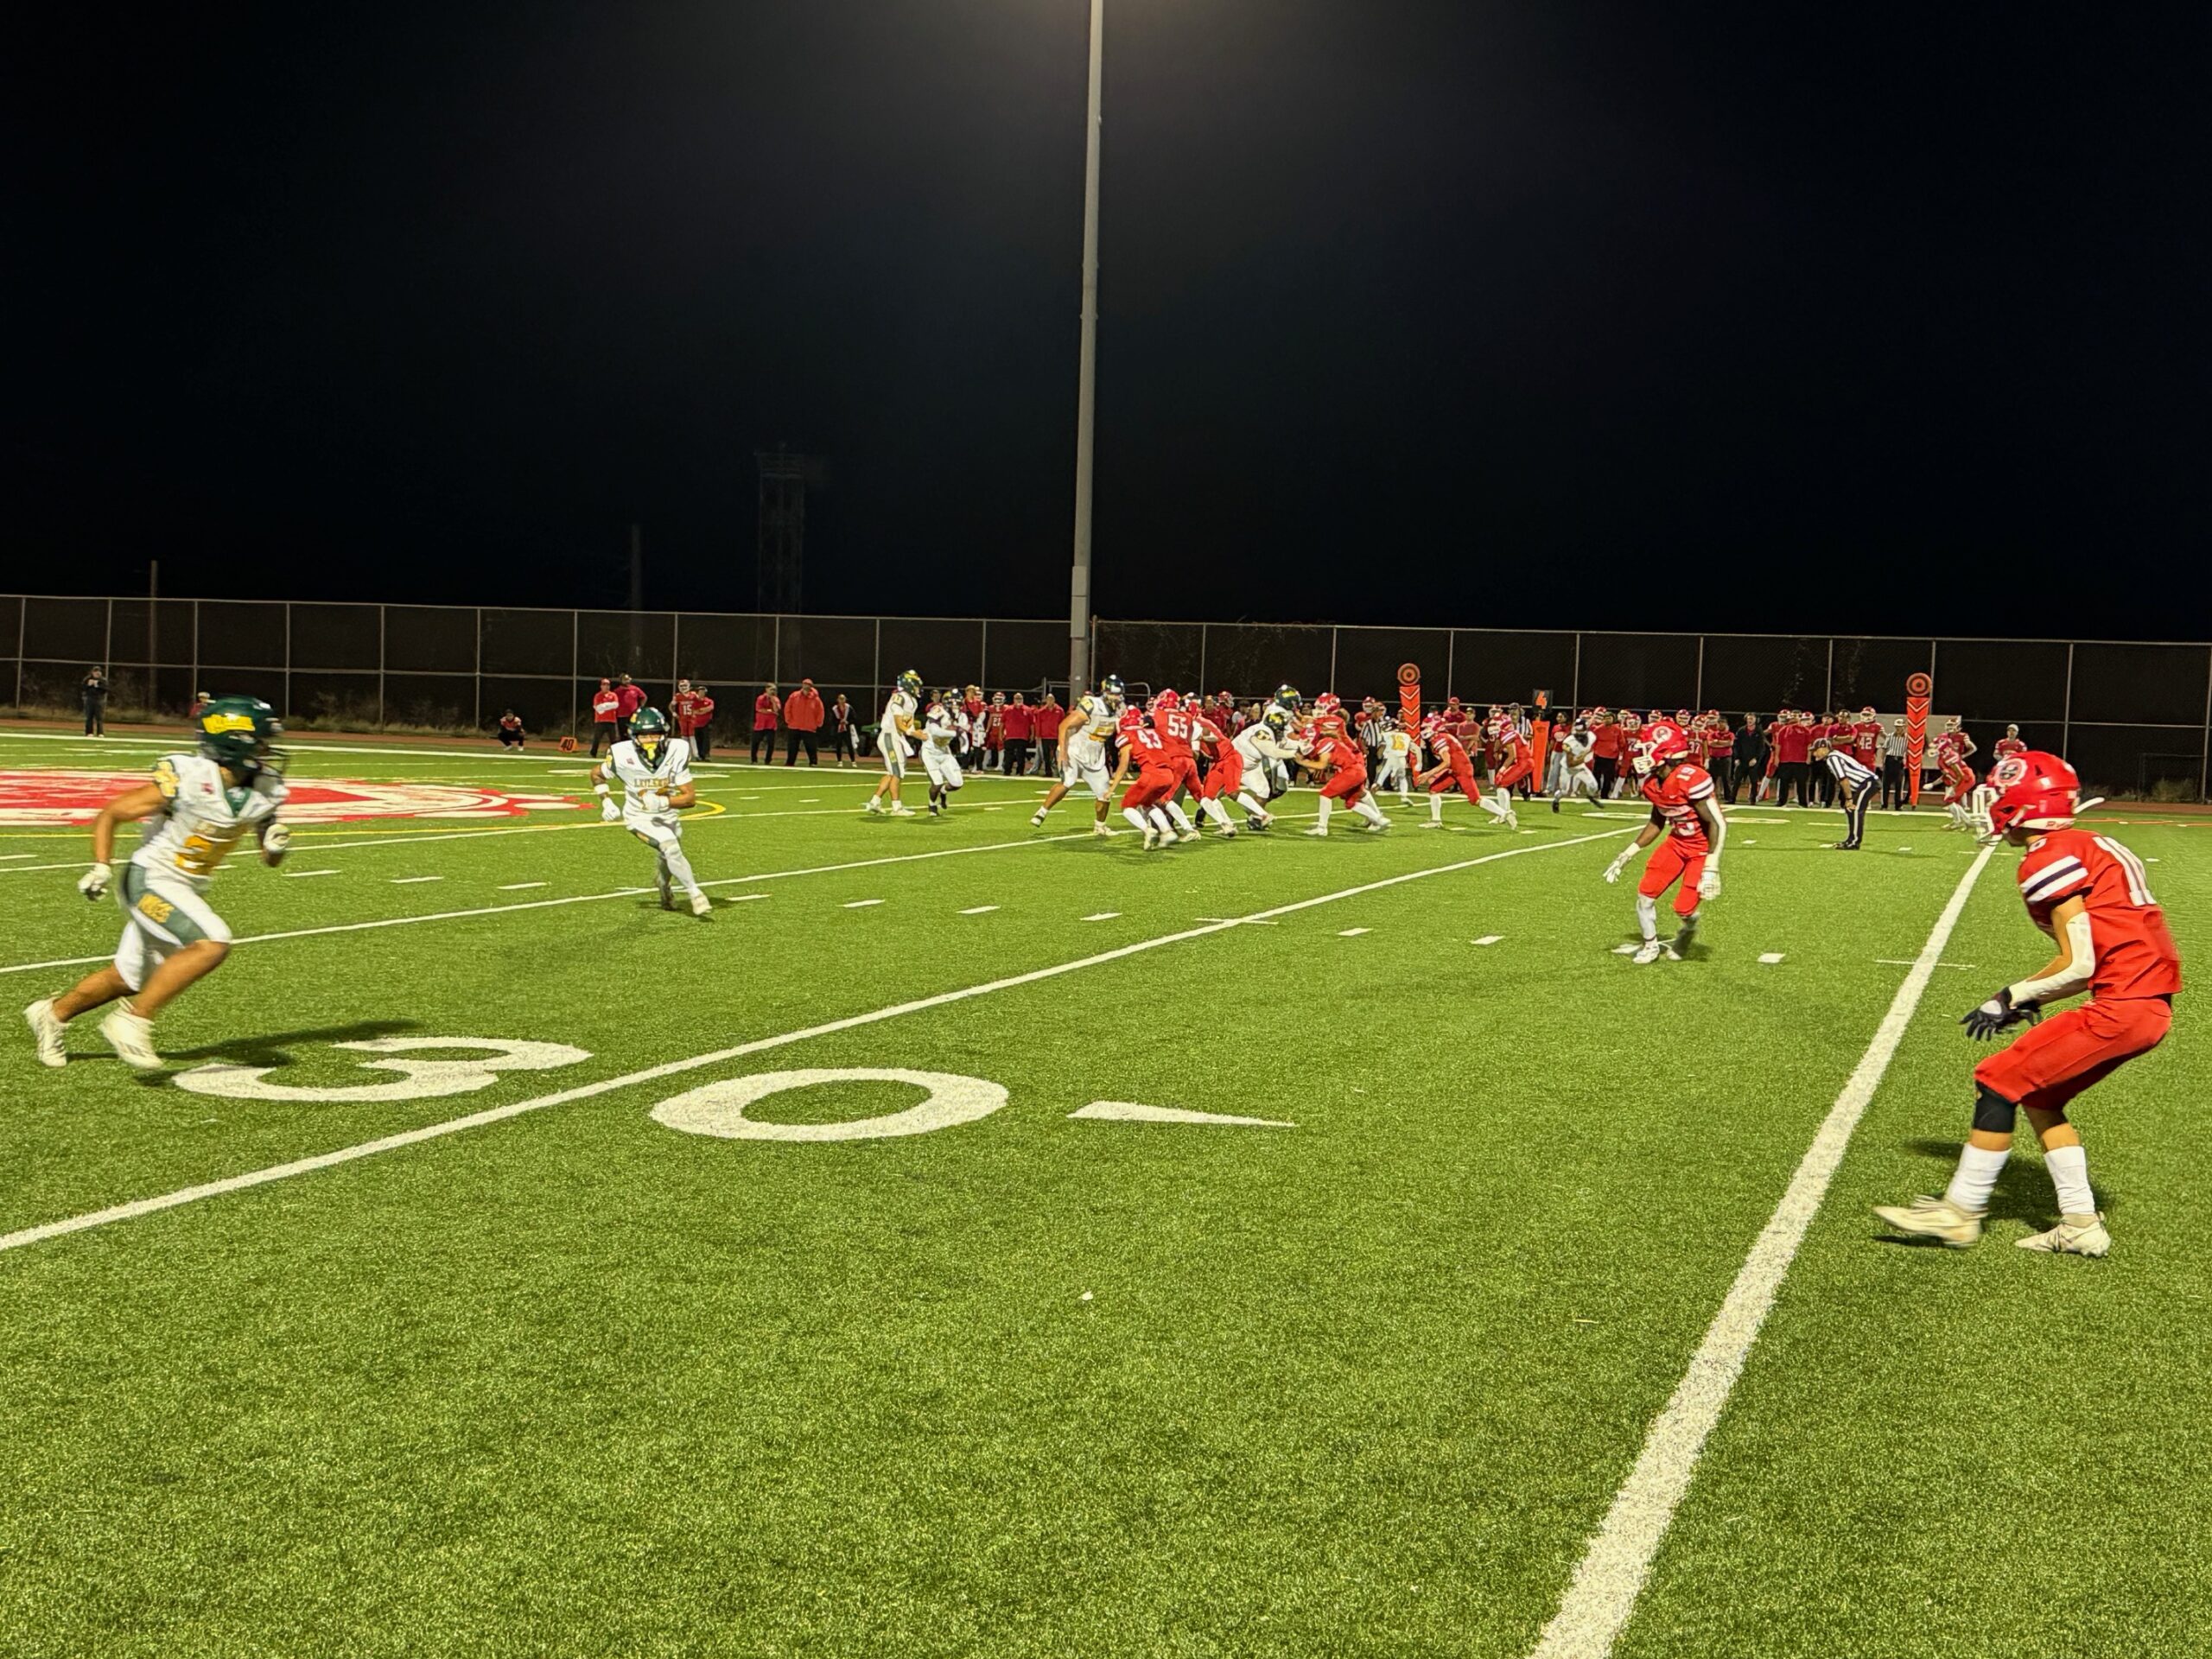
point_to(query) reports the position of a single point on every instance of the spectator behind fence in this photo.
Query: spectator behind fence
(604, 705)
(702, 722)
(1894, 793)
(1050, 718)
(802, 719)
(844, 732)
(1789, 750)
(94, 692)
(995, 733)
(511, 732)
(1750, 765)
(766, 708)
(628, 699)
(1021, 733)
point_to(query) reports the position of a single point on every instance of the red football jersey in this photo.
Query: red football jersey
(2006, 746)
(1866, 737)
(1173, 726)
(1670, 793)
(2135, 951)
(1206, 734)
(1450, 751)
(1514, 750)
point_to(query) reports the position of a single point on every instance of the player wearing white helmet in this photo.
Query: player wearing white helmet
(655, 772)
(894, 742)
(943, 731)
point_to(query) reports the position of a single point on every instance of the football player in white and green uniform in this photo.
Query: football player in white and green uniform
(894, 742)
(655, 772)
(1083, 736)
(196, 809)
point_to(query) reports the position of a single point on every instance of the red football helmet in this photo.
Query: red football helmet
(2035, 790)
(1166, 699)
(1327, 703)
(1662, 745)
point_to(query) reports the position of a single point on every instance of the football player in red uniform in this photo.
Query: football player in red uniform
(1336, 755)
(1953, 748)
(1686, 812)
(1515, 765)
(2010, 743)
(1145, 752)
(2091, 895)
(1224, 773)
(1867, 740)
(1453, 767)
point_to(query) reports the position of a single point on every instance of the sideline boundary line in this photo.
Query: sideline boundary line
(1617, 1562)
(137, 1207)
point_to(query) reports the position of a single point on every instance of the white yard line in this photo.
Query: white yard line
(302, 875)
(1103, 916)
(580, 899)
(1351, 932)
(860, 904)
(1617, 1561)
(410, 880)
(139, 1207)
(520, 886)
(1489, 939)
(1771, 957)
(979, 909)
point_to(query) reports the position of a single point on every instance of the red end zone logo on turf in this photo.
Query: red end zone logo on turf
(69, 797)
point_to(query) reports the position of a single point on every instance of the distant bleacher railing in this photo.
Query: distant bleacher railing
(2131, 717)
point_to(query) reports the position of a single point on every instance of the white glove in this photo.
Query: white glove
(275, 842)
(608, 812)
(94, 881)
(1613, 870)
(1708, 885)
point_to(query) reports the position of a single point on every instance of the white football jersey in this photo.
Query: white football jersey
(1259, 744)
(899, 721)
(1099, 719)
(646, 788)
(942, 725)
(202, 817)
(1577, 746)
(1398, 742)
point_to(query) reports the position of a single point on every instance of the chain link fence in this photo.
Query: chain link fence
(2133, 718)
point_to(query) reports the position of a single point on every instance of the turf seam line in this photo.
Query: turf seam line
(137, 1207)
(1617, 1562)
(578, 899)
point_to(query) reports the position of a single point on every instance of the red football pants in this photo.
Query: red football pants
(1463, 775)
(1152, 785)
(1513, 775)
(1671, 862)
(1346, 784)
(2048, 1064)
(1224, 777)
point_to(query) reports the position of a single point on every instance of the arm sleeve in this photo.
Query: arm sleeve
(2081, 967)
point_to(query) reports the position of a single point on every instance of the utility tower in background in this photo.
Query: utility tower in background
(781, 560)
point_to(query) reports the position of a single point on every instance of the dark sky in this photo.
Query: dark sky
(1774, 316)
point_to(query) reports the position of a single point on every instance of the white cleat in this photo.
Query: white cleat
(1191, 833)
(132, 1038)
(1512, 819)
(1377, 829)
(1151, 838)
(1433, 823)
(1229, 832)
(1102, 832)
(46, 1030)
(700, 905)
(1263, 821)
(2074, 1235)
(1318, 833)
(1037, 821)
(1936, 1218)
(902, 810)
(1649, 953)
(874, 808)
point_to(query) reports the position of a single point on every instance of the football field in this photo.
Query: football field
(971, 1239)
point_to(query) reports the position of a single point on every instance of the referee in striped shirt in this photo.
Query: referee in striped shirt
(1856, 785)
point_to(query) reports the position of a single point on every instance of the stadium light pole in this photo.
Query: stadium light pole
(1086, 378)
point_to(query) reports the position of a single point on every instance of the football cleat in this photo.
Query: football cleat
(700, 905)
(1319, 832)
(46, 1031)
(902, 810)
(1936, 1218)
(1649, 952)
(1151, 837)
(1512, 819)
(1229, 832)
(1433, 823)
(1192, 834)
(874, 808)
(132, 1039)
(2074, 1235)
(1376, 829)
(1263, 821)
(1102, 831)
(1685, 935)
(667, 894)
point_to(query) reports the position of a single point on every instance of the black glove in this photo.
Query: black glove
(1997, 1013)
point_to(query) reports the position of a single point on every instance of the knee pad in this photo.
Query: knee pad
(1993, 1113)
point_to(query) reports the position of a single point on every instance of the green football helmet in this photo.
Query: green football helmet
(649, 731)
(911, 683)
(240, 733)
(1113, 690)
(1288, 696)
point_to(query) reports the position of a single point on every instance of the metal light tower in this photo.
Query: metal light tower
(1086, 378)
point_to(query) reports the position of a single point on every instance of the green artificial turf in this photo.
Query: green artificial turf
(576, 1383)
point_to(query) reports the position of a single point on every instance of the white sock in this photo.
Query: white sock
(1436, 808)
(2069, 1173)
(1647, 917)
(1252, 807)
(1135, 816)
(1367, 809)
(1181, 819)
(1159, 822)
(1213, 809)
(1504, 802)
(1325, 804)
(1976, 1179)
(680, 867)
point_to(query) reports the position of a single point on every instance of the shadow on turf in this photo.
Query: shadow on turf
(2021, 1195)
(270, 1050)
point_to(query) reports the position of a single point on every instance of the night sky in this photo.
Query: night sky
(1769, 316)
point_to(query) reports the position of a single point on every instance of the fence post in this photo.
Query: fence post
(576, 667)
(675, 652)
(1451, 656)
(288, 659)
(983, 656)
(195, 649)
(1333, 657)
(1697, 702)
(1575, 694)
(380, 631)
(2204, 754)
(479, 721)
(107, 645)
(1202, 658)
(23, 621)
(776, 648)
(1827, 691)
(2066, 718)
(876, 667)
